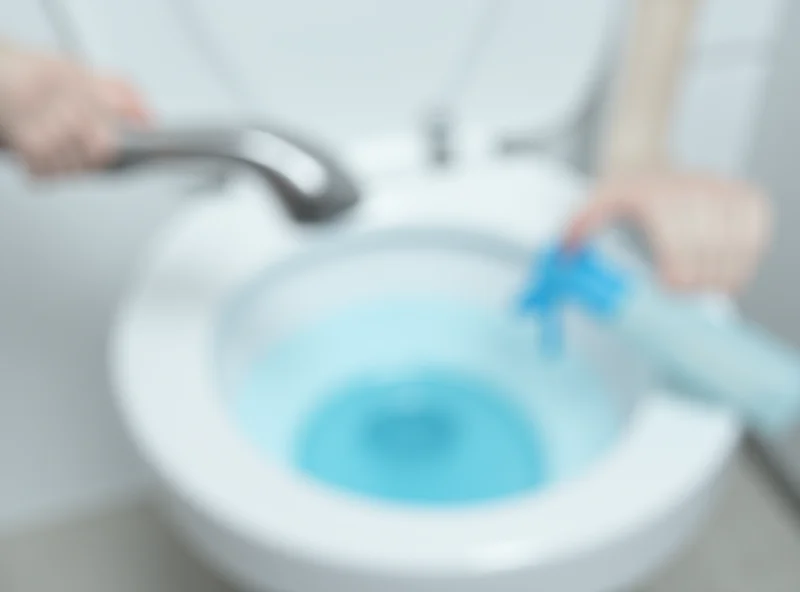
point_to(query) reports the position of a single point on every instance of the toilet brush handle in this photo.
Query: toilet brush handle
(142, 147)
(312, 186)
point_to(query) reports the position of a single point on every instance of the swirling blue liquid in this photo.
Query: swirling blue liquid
(424, 402)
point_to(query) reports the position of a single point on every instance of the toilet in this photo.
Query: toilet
(255, 518)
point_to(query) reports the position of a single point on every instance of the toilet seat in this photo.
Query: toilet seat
(638, 501)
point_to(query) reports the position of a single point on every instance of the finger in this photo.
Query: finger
(697, 231)
(730, 254)
(663, 221)
(754, 227)
(93, 133)
(122, 101)
(713, 238)
(60, 130)
(760, 220)
(607, 205)
(723, 251)
(34, 155)
(87, 122)
(58, 135)
(99, 142)
(741, 266)
(33, 144)
(73, 119)
(699, 235)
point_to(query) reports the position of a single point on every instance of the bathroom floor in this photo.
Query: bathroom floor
(751, 543)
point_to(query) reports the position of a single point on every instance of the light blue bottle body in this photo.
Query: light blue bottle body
(726, 361)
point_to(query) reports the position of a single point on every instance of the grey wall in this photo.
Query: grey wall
(775, 163)
(774, 299)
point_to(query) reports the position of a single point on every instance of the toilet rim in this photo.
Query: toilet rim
(163, 374)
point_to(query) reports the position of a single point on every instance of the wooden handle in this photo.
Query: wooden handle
(642, 108)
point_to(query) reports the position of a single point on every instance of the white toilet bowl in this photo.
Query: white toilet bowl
(350, 71)
(268, 527)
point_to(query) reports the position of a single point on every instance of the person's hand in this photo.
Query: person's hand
(705, 233)
(58, 116)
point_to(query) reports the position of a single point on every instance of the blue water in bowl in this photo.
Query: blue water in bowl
(424, 402)
(433, 436)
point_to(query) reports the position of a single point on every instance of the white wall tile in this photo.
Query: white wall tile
(25, 21)
(146, 41)
(66, 255)
(730, 22)
(716, 113)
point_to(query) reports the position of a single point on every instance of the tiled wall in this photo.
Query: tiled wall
(721, 99)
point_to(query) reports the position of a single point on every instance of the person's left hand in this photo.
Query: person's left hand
(60, 117)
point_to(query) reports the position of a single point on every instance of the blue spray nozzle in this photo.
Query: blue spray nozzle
(562, 276)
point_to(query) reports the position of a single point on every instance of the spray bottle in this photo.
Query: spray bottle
(724, 361)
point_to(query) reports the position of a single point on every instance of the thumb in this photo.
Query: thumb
(121, 99)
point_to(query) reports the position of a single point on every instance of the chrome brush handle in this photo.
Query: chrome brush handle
(312, 186)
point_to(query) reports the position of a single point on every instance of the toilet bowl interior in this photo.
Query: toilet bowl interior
(392, 364)
(225, 278)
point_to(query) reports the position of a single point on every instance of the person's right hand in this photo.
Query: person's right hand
(705, 232)
(60, 117)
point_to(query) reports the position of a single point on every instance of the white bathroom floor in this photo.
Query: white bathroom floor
(751, 544)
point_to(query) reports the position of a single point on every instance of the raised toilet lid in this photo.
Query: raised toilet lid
(165, 379)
